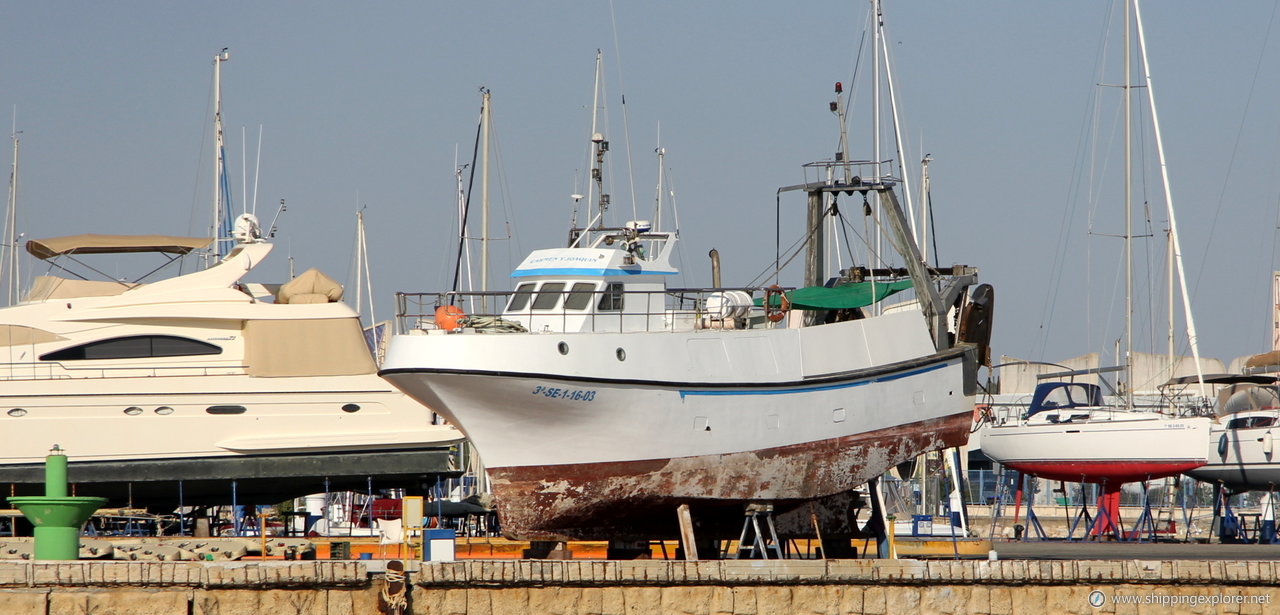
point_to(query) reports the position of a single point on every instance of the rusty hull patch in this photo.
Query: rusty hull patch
(636, 500)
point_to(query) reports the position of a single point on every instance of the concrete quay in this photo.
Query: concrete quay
(747, 587)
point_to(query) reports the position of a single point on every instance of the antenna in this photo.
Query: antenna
(272, 230)
(257, 167)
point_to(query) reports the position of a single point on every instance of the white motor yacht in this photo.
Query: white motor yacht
(201, 387)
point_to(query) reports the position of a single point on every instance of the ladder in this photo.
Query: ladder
(758, 542)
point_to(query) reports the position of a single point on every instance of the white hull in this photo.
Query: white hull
(1109, 446)
(1243, 458)
(281, 415)
(582, 439)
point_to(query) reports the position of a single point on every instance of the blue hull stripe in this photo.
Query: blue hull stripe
(571, 271)
(827, 387)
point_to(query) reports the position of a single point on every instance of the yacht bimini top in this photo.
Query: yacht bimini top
(92, 243)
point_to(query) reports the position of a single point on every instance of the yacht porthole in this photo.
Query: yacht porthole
(563, 348)
(17, 412)
(133, 411)
(351, 408)
(622, 354)
(164, 410)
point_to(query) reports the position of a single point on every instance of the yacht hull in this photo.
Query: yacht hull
(1239, 458)
(221, 435)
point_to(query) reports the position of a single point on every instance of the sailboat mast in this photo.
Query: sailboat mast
(11, 223)
(1128, 208)
(1175, 245)
(484, 196)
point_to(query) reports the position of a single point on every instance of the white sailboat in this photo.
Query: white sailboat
(1069, 433)
(601, 399)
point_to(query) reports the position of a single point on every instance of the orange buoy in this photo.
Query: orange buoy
(449, 317)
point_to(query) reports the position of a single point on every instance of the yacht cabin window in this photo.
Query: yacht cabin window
(133, 347)
(520, 299)
(548, 296)
(579, 298)
(1251, 422)
(611, 299)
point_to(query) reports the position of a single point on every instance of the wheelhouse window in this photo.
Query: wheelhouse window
(133, 347)
(611, 298)
(579, 298)
(520, 299)
(548, 296)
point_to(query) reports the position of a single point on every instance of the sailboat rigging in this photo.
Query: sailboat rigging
(1069, 432)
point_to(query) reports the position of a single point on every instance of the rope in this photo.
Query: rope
(492, 324)
(398, 602)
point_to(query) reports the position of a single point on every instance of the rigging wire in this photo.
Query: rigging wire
(1084, 158)
(626, 125)
(1235, 150)
(466, 206)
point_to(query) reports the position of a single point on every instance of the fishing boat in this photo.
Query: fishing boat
(1069, 431)
(174, 389)
(601, 399)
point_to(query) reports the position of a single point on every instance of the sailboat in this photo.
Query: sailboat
(200, 387)
(1069, 432)
(601, 399)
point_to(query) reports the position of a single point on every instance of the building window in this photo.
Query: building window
(133, 347)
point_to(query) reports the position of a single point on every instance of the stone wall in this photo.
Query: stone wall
(529, 587)
(911, 587)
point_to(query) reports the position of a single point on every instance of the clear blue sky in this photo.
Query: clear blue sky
(366, 103)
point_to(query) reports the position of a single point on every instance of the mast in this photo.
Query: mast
(1128, 209)
(657, 201)
(484, 197)
(599, 146)
(897, 139)
(1175, 246)
(364, 276)
(924, 206)
(221, 205)
(10, 267)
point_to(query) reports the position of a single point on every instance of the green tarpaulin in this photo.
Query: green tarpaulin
(856, 295)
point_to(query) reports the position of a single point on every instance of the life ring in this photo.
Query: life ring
(982, 413)
(780, 312)
(448, 317)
